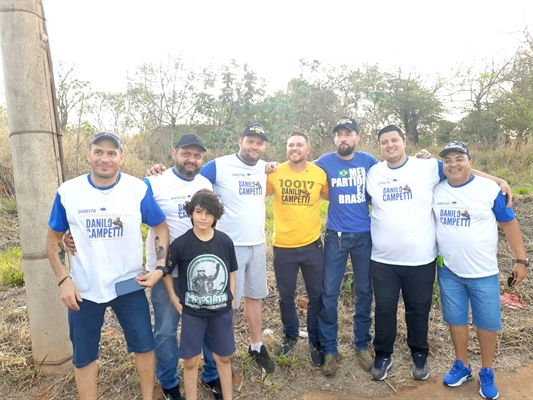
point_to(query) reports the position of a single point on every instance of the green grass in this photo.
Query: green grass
(8, 203)
(248, 362)
(11, 272)
(285, 361)
(523, 190)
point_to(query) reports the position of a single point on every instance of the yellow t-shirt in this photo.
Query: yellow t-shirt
(296, 199)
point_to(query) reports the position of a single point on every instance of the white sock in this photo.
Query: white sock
(256, 346)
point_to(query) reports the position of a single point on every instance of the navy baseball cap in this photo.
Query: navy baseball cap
(348, 123)
(190, 139)
(455, 146)
(255, 130)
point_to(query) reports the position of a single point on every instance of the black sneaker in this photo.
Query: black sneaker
(286, 345)
(215, 387)
(420, 368)
(262, 358)
(315, 355)
(173, 393)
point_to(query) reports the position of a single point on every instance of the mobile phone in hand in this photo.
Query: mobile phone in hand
(128, 286)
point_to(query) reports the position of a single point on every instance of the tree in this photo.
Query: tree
(481, 122)
(227, 101)
(514, 105)
(72, 93)
(159, 98)
(415, 106)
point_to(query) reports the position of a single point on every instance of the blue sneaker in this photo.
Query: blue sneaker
(488, 389)
(458, 374)
(381, 367)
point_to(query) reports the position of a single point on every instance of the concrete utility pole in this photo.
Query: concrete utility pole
(36, 154)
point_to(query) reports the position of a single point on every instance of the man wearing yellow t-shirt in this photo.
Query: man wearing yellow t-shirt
(297, 186)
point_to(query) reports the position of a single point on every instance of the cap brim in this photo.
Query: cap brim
(262, 136)
(192, 144)
(343, 126)
(110, 138)
(446, 151)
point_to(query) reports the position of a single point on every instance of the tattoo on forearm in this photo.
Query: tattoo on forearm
(63, 253)
(159, 250)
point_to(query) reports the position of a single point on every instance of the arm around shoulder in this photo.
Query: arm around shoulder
(502, 183)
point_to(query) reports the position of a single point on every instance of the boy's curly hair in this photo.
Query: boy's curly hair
(208, 200)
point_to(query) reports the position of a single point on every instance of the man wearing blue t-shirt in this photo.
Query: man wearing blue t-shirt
(347, 233)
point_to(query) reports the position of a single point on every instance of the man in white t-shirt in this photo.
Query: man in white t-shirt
(104, 210)
(468, 210)
(240, 180)
(404, 248)
(171, 190)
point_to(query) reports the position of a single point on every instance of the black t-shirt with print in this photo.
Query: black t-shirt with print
(203, 272)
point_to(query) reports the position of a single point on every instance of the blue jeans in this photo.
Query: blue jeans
(336, 250)
(483, 294)
(166, 323)
(287, 261)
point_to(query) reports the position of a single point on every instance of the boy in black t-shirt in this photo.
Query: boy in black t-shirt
(206, 264)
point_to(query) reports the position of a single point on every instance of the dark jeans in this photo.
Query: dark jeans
(416, 284)
(336, 251)
(287, 262)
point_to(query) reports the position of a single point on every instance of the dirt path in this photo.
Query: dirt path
(515, 386)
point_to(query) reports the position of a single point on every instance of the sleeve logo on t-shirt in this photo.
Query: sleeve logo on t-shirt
(207, 279)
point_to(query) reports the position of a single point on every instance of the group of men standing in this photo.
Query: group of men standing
(393, 249)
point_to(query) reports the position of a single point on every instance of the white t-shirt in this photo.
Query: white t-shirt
(107, 233)
(402, 223)
(467, 231)
(242, 189)
(171, 191)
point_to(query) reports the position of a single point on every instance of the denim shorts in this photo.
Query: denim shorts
(85, 325)
(484, 296)
(219, 327)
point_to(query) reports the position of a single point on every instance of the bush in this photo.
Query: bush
(11, 272)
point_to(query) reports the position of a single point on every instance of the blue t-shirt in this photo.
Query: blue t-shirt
(348, 208)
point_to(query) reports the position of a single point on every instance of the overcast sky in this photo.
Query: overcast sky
(107, 38)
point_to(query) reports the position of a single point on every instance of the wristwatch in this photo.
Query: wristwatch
(525, 262)
(166, 270)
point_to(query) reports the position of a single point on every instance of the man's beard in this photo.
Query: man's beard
(249, 159)
(345, 151)
(187, 173)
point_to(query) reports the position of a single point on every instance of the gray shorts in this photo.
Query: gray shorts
(250, 278)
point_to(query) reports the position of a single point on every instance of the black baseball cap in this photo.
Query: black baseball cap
(255, 130)
(455, 146)
(190, 139)
(348, 123)
(109, 136)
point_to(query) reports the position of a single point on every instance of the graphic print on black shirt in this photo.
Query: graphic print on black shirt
(207, 280)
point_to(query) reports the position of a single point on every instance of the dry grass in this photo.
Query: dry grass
(294, 375)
